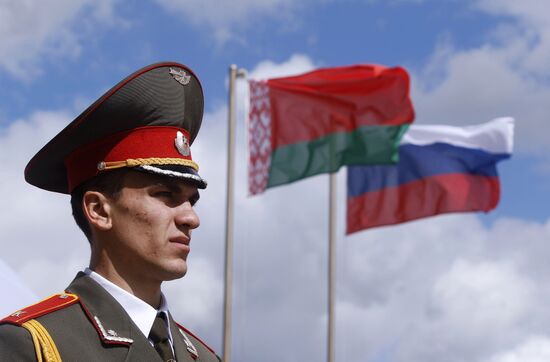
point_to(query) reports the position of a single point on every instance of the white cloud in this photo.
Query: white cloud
(296, 64)
(493, 296)
(442, 289)
(11, 285)
(31, 30)
(225, 19)
(533, 29)
(38, 234)
(506, 76)
(534, 349)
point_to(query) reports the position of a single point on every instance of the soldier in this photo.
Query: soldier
(126, 162)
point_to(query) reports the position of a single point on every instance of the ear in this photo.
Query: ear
(97, 209)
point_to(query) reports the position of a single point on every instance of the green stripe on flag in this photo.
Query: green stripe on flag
(365, 145)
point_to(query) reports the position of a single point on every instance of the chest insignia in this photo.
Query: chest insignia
(110, 335)
(190, 347)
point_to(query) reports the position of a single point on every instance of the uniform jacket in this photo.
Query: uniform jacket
(96, 328)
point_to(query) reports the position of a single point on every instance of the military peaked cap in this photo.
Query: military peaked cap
(146, 122)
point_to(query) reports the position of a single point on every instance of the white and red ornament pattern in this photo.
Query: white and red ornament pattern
(259, 140)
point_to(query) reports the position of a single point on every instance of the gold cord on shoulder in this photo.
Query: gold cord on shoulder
(45, 348)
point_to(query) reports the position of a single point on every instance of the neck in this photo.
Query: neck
(143, 288)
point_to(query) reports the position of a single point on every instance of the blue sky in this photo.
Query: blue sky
(473, 284)
(332, 33)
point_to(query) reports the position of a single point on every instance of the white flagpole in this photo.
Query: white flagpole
(228, 283)
(331, 355)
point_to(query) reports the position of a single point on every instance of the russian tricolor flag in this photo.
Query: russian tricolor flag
(441, 169)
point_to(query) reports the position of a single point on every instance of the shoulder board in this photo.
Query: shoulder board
(48, 305)
(192, 335)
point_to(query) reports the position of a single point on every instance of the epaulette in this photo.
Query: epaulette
(48, 305)
(185, 330)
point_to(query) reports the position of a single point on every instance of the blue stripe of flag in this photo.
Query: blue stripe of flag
(417, 162)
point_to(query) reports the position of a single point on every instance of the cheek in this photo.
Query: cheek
(145, 226)
(141, 218)
(148, 226)
(132, 221)
(142, 225)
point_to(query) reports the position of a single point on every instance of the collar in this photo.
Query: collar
(141, 313)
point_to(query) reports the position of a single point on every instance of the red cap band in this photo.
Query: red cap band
(153, 145)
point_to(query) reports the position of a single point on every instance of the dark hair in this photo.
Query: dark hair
(109, 183)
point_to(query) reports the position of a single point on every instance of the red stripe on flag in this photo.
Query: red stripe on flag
(426, 197)
(341, 99)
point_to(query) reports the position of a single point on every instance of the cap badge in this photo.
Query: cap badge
(180, 76)
(182, 144)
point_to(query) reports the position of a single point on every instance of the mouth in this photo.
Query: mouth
(182, 242)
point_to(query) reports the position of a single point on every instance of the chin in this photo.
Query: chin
(175, 273)
(179, 275)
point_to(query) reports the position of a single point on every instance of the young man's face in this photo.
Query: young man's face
(152, 219)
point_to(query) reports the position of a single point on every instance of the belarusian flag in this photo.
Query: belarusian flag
(316, 122)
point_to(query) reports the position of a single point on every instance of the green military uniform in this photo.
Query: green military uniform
(96, 328)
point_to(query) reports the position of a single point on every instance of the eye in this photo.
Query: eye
(194, 199)
(163, 193)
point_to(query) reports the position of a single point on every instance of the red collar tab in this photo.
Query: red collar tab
(185, 330)
(48, 305)
(150, 145)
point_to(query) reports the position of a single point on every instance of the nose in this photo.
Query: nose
(186, 216)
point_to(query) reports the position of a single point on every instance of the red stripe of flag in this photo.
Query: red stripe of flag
(341, 99)
(425, 197)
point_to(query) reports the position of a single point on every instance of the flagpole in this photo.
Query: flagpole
(331, 355)
(234, 73)
(228, 283)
